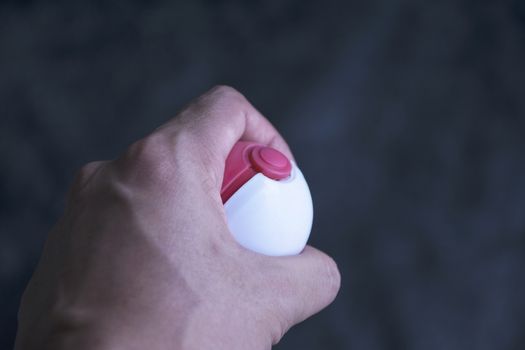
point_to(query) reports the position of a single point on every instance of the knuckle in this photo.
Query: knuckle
(147, 151)
(228, 93)
(88, 169)
(224, 90)
(147, 158)
(83, 183)
(86, 172)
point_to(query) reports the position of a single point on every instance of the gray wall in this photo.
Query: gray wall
(407, 118)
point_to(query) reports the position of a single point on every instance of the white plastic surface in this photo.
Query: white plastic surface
(272, 217)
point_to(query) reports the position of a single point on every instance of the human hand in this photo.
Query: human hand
(143, 258)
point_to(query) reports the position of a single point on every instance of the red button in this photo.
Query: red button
(273, 157)
(270, 162)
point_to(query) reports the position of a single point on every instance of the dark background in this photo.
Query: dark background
(407, 118)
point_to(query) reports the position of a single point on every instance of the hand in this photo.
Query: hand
(143, 259)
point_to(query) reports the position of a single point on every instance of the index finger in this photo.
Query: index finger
(218, 119)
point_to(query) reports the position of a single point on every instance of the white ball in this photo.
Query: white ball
(272, 217)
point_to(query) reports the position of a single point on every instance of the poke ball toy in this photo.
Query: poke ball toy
(267, 201)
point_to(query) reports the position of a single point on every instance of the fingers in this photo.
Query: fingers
(217, 120)
(314, 280)
(223, 116)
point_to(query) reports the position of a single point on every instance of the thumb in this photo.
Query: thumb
(315, 280)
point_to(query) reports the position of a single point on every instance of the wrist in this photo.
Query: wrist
(203, 328)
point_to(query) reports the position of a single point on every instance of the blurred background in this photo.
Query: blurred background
(407, 118)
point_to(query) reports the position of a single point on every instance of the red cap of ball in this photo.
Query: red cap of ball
(247, 159)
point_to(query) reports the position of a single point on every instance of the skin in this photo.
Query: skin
(143, 259)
